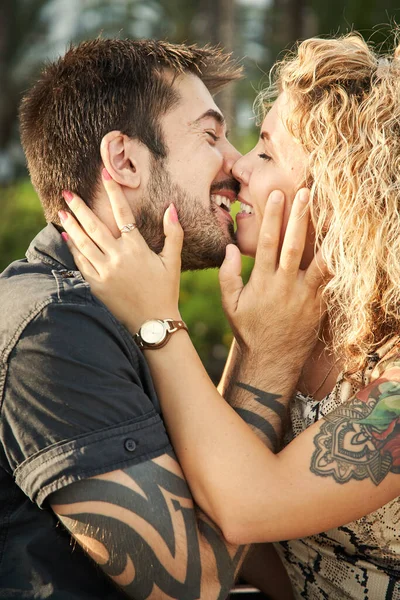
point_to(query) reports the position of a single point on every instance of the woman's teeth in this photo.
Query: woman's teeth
(221, 201)
(246, 208)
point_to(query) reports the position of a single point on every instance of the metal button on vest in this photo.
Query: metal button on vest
(130, 445)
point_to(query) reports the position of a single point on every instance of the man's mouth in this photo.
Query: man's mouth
(223, 201)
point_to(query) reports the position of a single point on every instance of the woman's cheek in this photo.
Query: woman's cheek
(259, 199)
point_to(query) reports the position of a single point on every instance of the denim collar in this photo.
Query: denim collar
(49, 247)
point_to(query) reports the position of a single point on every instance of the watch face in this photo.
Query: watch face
(153, 332)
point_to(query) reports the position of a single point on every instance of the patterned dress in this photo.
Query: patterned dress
(360, 560)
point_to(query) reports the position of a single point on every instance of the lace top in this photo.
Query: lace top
(360, 560)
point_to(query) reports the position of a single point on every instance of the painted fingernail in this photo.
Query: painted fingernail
(68, 196)
(173, 215)
(63, 215)
(106, 175)
(65, 236)
(276, 197)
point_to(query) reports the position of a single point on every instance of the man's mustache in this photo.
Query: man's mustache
(227, 184)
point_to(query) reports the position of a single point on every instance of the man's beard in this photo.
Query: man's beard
(205, 236)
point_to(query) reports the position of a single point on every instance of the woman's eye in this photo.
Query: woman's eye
(264, 156)
(214, 137)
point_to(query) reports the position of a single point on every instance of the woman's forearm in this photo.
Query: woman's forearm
(224, 461)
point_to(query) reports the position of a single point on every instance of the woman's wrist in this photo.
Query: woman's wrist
(136, 323)
(155, 333)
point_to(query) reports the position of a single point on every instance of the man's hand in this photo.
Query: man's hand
(278, 313)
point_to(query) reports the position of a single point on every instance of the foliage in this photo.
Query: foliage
(22, 218)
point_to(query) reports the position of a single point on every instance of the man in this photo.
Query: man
(79, 415)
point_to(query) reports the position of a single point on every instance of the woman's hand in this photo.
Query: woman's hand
(135, 283)
(280, 309)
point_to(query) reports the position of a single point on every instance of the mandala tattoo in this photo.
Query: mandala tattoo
(361, 440)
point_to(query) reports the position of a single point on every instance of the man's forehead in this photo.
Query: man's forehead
(195, 100)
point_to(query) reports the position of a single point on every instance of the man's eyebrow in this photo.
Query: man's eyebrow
(214, 114)
(264, 135)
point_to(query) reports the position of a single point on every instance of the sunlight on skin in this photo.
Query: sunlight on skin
(176, 565)
(94, 548)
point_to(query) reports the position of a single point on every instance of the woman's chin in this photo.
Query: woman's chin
(247, 233)
(247, 246)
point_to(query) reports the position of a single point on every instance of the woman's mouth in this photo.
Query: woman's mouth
(246, 210)
(222, 201)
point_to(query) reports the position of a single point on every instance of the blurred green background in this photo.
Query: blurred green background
(256, 31)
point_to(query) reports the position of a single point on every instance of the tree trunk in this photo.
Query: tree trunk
(222, 29)
(8, 109)
(285, 24)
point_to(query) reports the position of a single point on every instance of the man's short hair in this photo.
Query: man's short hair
(100, 86)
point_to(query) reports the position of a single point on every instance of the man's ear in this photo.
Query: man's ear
(124, 158)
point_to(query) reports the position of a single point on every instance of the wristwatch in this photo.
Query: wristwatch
(155, 333)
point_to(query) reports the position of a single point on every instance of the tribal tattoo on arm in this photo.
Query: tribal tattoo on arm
(141, 526)
(361, 440)
(264, 413)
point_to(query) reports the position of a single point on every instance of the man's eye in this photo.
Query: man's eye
(214, 137)
(264, 156)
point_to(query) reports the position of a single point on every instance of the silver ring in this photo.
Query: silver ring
(128, 227)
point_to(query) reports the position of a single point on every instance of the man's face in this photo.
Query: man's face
(195, 176)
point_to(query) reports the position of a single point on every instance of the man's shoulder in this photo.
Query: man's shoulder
(27, 288)
(42, 288)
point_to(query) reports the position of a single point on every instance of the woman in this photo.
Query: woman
(333, 489)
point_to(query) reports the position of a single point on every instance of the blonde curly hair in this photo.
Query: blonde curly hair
(345, 110)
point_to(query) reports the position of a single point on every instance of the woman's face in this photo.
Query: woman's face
(277, 162)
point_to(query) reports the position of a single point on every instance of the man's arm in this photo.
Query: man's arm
(141, 526)
(260, 406)
(265, 413)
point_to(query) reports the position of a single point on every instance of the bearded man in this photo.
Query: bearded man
(78, 409)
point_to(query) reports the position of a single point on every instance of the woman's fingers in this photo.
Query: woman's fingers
(173, 231)
(95, 228)
(123, 214)
(296, 233)
(317, 274)
(84, 265)
(230, 279)
(270, 232)
(81, 240)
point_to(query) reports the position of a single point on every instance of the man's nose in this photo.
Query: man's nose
(231, 156)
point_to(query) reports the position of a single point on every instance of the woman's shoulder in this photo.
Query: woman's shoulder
(387, 359)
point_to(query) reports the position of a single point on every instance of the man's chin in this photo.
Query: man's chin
(202, 251)
(199, 257)
(192, 261)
